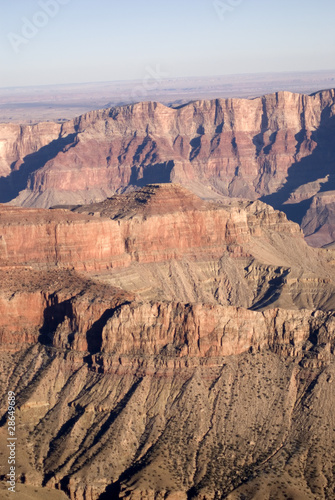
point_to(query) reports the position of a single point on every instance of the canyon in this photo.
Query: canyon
(167, 301)
(164, 346)
(278, 148)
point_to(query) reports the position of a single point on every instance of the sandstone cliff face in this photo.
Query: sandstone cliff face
(181, 402)
(166, 222)
(58, 238)
(165, 242)
(24, 149)
(206, 140)
(42, 306)
(189, 359)
(19, 141)
(65, 311)
(268, 146)
(209, 331)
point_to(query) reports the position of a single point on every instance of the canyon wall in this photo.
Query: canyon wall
(278, 147)
(163, 241)
(163, 347)
(122, 399)
(164, 231)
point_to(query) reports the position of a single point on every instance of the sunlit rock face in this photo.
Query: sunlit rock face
(279, 147)
(165, 347)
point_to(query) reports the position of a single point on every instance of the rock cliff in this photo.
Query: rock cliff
(163, 241)
(278, 147)
(182, 401)
(165, 347)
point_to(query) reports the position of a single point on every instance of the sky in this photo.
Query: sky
(46, 42)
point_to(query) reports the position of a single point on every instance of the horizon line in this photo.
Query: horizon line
(167, 79)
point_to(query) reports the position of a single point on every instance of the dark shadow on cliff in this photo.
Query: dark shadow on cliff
(112, 492)
(54, 316)
(94, 334)
(272, 293)
(11, 186)
(159, 173)
(315, 166)
(195, 143)
(258, 140)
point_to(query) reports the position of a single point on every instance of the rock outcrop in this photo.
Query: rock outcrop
(34, 304)
(19, 141)
(278, 147)
(318, 222)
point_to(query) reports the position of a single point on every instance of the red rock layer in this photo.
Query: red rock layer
(241, 147)
(194, 229)
(206, 140)
(280, 143)
(68, 312)
(34, 304)
(188, 331)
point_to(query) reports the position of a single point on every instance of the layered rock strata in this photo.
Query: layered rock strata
(279, 146)
(170, 244)
(164, 347)
(163, 222)
(181, 401)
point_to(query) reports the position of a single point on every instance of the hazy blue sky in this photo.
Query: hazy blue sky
(102, 40)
